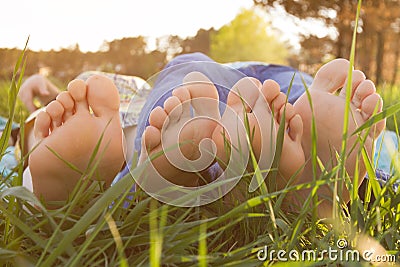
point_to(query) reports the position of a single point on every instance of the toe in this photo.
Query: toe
(173, 107)
(331, 76)
(102, 96)
(151, 138)
(184, 97)
(245, 92)
(66, 100)
(78, 91)
(271, 90)
(42, 126)
(182, 93)
(296, 128)
(373, 104)
(277, 104)
(203, 94)
(365, 89)
(288, 109)
(157, 117)
(55, 110)
(357, 78)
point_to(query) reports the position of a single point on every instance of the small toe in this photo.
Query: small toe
(151, 138)
(288, 109)
(182, 93)
(372, 103)
(296, 128)
(270, 90)
(157, 117)
(42, 126)
(365, 89)
(357, 78)
(173, 107)
(277, 104)
(78, 91)
(66, 100)
(184, 97)
(56, 111)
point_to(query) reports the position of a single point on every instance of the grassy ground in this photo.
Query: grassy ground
(106, 229)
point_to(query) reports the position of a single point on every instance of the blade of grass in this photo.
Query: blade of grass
(94, 212)
(117, 237)
(203, 245)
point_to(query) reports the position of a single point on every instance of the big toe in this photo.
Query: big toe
(203, 94)
(244, 94)
(78, 92)
(331, 76)
(102, 96)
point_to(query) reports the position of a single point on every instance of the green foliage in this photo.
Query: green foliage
(391, 96)
(248, 37)
(21, 111)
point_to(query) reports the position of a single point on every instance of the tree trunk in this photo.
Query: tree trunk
(396, 62)
(379, 56)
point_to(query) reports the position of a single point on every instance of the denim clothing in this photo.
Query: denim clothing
(223, 76)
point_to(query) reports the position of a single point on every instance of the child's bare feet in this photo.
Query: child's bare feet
(68, 127)
(329, 115)
(261, 100)
(181, 138)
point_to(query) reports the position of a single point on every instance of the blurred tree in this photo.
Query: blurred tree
(169, 44)
(123, 54)
(248, 37)
(377, 26)
(201, 42)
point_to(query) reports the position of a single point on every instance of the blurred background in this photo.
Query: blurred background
(138, 37)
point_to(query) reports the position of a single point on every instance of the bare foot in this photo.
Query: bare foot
(329, 115)
(181, 138)
(68, 127)
(260, 101)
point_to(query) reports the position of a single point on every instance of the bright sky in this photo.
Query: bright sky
(52, 24)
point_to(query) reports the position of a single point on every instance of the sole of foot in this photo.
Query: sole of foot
(180, 137)
(255, 101)
(71, 127)
(329, 107)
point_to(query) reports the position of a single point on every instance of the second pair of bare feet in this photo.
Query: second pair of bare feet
(70, 129)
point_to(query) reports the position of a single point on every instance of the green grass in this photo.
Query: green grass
(20, 111)
(105, 229)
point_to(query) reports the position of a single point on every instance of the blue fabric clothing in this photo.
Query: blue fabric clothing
(386, 144)
(386, 141)
(3, 122)
(223, 76)
(7, 164)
